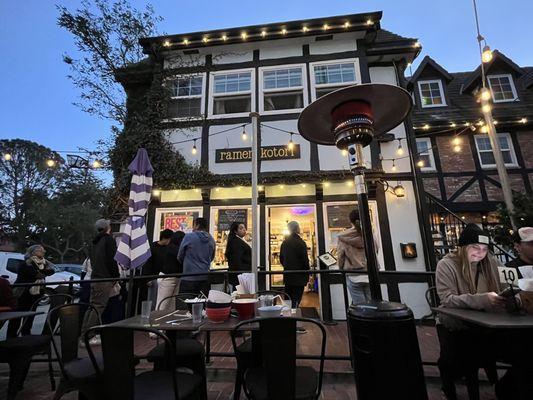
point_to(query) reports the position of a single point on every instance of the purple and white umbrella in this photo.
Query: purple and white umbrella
(134, 250)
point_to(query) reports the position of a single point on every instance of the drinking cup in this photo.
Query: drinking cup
(197, 312)
(146, 308)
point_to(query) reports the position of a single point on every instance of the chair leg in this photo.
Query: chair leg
(51, 371)
(238, 384)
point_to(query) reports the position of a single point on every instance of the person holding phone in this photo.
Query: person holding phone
(466, 278)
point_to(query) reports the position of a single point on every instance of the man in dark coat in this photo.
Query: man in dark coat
(293, 256)
(103, 264)
(238, 252)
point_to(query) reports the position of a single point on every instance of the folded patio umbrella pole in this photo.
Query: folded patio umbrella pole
(134, 249)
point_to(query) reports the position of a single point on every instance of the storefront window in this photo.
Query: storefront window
(177, 220)
(337, 220)
(221, 220)
(278, 218)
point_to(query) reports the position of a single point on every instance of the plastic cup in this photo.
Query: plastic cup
(146, 309)
(197, 312)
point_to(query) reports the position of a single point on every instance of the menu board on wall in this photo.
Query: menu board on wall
(227, 216)
(178, 221)
(338, 216)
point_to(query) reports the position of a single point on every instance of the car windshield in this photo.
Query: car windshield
(72, 268)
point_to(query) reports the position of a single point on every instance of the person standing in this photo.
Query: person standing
(238, 252)
(168, 286)
(196, 253)
(103, 266)
(293, 257)
(351, 256)
(34, 269)
(155, 263)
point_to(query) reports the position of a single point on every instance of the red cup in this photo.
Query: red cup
(245, 308)
(217, 315)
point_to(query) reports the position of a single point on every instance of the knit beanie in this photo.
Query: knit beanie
(473, 234)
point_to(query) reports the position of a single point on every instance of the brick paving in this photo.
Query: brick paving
(338, 379)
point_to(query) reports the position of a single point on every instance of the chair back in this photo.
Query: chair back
(179, 303)
(432, 297)
(278, 352)
(54, 300)
(68, 324)
(118, 354)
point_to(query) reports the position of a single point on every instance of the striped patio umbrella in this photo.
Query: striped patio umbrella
(134, 250)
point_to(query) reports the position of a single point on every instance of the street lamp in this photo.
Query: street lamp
(350, 119)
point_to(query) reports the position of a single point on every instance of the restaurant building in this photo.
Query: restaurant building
(276, 70)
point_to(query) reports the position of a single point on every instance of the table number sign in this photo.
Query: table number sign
(508, 275)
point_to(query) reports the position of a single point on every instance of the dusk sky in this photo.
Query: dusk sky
(36, 97)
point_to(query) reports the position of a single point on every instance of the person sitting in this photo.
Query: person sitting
(465, 278)
(523, 245)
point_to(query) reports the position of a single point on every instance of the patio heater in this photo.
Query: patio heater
(384, 344)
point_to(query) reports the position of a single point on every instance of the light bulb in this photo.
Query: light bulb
(224, 37)
(485, 108)
(326, 184)
(495, 122)
(284, 31)
(456, 141)
(96, 164)
(244, 36)
(425, 127)
(417, 44)
(205, 39)
(457, 149)
(393, 166)
(484, 129)
(523, 120)
(399, 151)
(344, 152)
(185, 41)
(290, 145)
(51, 163)
(244, 135)
(156, 192)
(194, 150)
(7, 157)
(453, 124)
(420, 163)
(485, 94)
(305, 29)
(166, 43)
(369, 22)
(486, 56)
(263, 33)
(326, 27)
(346, 24)
(399, 190)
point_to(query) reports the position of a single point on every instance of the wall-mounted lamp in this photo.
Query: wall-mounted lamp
(408, 250)
(399, 190)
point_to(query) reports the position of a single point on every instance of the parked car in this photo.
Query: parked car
(10, 262)
(75, 269)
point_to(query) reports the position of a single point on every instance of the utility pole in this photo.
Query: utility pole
(255, 219)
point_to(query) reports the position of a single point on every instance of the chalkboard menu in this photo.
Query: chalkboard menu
(227, 216)
(338, 216)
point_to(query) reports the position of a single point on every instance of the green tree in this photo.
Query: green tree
(523, 216)
(24, 177)
(64, 223)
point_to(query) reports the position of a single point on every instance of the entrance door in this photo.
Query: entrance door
(278, 218)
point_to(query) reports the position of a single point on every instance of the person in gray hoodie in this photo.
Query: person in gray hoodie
(197, 251)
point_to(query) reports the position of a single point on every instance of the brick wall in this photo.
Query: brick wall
(525, 140)
(453, 184)
(431, 186)
(494, 193)
(455, 162)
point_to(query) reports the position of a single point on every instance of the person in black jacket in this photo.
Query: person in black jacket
(293, 256)
(238, 252)
(103, 264)
(34, 269)
(166, 256)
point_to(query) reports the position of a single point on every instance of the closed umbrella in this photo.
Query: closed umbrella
(134, 249)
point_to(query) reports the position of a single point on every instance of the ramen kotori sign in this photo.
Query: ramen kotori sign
(267, 153)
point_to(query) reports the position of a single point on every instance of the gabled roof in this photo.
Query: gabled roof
(471, 81)
(428, 61)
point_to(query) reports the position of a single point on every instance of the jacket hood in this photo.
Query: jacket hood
(98, 237)
(203, 236)
(351, 237)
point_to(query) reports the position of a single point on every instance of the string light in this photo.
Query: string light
(244, 36)
(484, 129)
(305, 29)
(185, 42)
(284, 31)
(453, 124)
(485, 94)
(166, 43)
(485, 108)
(420, 163)
(194, 149)
(486, 55)
(495, 122)
(263, 33)
(290, 145)
(325, 27)
(425, 127)
(96, 164)
(224, 37)
(205, 39)
(156, 192)
(346, 24)
(399, 150)
(523, 120)
(51, 163)
(326, 184)
(417, 44)
(244, 135)
(393, 165)
(369, 22)
(7, 157)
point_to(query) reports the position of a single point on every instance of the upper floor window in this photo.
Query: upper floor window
(425, 154)
(431, 93)
(232, 93)
(186, 97)
(283, 89)
(486, 156)
(502, 88)
(333, 75)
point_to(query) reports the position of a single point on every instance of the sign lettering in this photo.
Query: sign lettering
(268, 153)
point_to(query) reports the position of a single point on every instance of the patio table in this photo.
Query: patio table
(9, 315)
(513, 336)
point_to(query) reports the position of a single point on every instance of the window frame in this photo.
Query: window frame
(314, 86)
(263, 91)
(511, 82)
(430, 154)
(514, 162)
(201, 96)
(212, 94)
(441, 90)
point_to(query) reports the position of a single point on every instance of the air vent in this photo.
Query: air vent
(325, 37)
(195, 51)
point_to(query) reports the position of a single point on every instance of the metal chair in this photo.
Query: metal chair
(275, 374)
(119, 367)
(77, 373)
